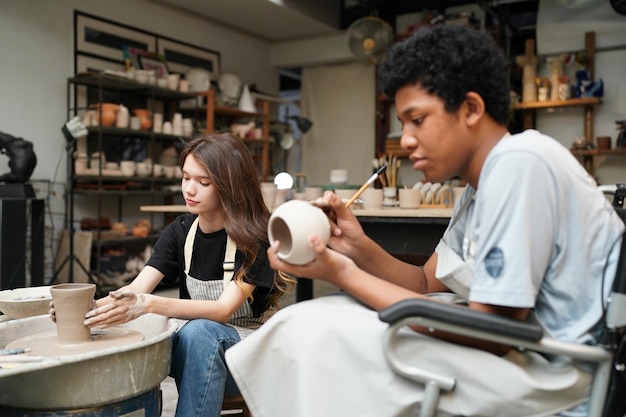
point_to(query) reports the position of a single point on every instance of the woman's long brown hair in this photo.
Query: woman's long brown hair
(232, 170)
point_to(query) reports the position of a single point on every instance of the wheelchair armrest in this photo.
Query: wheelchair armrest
(463, 316)
(481, 325)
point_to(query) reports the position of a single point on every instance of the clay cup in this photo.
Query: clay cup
(409, 198)
(292, 223)
(372, 199)
(71, 303)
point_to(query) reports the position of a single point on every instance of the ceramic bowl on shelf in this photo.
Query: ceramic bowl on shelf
(141, 76)
(169, 170)
(127, 168)
(162, 82)
(143, 169)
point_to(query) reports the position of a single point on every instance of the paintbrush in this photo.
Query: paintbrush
(369, 182)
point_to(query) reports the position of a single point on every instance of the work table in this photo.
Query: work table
(426, 212)
(408, 234)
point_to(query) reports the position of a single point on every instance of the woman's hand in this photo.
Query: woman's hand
(328, 265)
(123, 306)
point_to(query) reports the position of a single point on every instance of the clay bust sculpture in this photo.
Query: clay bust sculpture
(22, 159)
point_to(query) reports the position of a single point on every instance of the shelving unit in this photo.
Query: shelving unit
(116, 188)
(587, 103)
(387, 146)
(260, 148)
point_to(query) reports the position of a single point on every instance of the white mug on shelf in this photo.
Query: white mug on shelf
(127, 168)
(157, 122)
(172, 81)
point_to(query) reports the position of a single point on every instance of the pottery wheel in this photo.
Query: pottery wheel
(46, 344)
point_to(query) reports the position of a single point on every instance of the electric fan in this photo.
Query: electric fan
(619, 6)
(369, 37)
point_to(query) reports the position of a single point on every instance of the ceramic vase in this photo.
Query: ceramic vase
(292, 223)
(105, 113)
(71, 303)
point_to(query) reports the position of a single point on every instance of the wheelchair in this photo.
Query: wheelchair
(608, 390)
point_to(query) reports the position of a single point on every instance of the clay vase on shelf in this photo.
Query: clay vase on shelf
(146, 118)
(105, 113)
(71, 303)
(286, 226)
(141, 228)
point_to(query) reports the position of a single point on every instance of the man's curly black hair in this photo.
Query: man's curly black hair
(450, 61)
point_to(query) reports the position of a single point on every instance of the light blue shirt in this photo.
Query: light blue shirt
(541, 235)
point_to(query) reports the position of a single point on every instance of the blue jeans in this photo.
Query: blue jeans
(200, 344)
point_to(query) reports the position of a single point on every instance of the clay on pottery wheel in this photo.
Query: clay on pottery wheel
(46, 344)
(71, 303)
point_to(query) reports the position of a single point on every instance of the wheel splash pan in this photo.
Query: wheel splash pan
(86, 379)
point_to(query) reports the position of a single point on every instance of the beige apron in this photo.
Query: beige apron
(454, 271)
(329, 354)
(242, 319)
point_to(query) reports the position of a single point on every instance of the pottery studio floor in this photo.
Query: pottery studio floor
(168, 386)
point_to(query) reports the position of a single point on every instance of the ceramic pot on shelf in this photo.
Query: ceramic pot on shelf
(146, 118)
(105, 113)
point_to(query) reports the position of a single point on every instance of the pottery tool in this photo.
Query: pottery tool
(4, 352)
(369, 182)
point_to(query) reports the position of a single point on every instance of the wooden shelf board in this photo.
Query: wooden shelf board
(598, 152)
(392, 146)
(585, 101)
(114, 82)
(116, 131)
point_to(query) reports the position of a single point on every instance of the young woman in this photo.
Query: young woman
(226, 211)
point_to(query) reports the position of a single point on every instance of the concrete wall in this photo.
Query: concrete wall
(36, 40)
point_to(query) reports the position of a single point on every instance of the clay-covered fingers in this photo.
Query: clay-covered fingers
(106, 315)
(119, 294)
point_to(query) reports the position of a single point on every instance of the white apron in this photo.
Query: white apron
(328, 360)
(242, 319)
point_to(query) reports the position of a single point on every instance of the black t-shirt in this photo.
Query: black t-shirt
(207, 260)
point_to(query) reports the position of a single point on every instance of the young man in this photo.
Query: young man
(531, 232)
